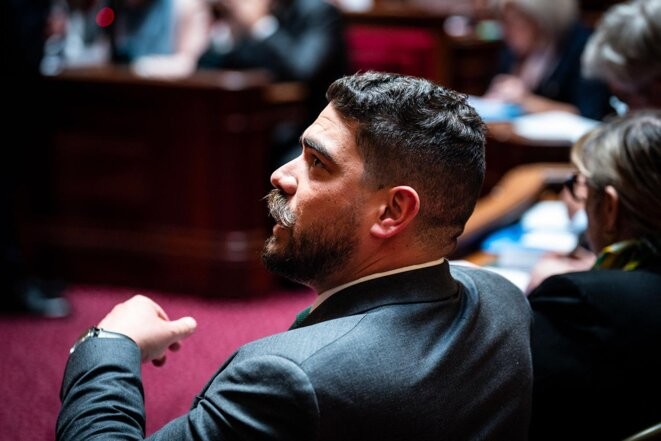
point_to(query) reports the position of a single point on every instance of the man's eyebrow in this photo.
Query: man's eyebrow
(317, 146)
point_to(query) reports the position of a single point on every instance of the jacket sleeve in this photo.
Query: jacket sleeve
(102, 392)
(264, 397)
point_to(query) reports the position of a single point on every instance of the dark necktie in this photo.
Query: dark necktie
(300, 317)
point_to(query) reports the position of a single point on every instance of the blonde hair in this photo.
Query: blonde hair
(554, 18)
(626, 45)
(625, 153)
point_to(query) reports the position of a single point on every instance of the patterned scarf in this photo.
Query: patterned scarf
(628, 254)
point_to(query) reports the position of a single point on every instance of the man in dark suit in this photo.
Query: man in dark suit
(398, 345)
(294, 40)
(23, 33)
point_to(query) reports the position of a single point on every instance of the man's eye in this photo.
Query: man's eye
(315, 162)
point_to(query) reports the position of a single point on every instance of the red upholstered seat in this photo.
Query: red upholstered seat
(402, 50)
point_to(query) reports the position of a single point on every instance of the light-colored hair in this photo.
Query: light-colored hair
(626, 44)
(554, 17)
(625, 153)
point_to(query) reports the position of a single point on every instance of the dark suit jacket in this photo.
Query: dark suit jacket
(564, 82)
(411, 356)
(596, 346)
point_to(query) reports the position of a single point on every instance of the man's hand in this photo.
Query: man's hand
(509, 88)
(144, 321)
(554, 263)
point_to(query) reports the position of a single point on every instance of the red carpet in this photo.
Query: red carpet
(36, 349)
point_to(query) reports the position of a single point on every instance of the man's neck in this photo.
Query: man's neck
(329, 292)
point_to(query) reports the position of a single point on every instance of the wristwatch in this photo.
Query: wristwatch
(95, 332)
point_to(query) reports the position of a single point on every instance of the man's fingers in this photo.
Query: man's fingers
(184, 326)
(181, 328)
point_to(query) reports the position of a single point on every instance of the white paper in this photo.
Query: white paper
(553, 126)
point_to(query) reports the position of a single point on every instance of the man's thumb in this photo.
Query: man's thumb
(184, 326)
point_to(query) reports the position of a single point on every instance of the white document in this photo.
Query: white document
(553, 126)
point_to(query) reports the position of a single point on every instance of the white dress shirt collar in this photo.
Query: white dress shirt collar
(326, 294)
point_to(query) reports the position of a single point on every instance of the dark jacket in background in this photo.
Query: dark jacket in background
(564, 82)
(596, 345)
(309, 46)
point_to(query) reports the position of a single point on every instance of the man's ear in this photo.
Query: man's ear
(400, 208)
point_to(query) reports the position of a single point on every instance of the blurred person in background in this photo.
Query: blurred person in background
(24, 161)
(295, 40)
(596, 333)
(625, 52)
(541, 61)
(156, 38)
(161, 38)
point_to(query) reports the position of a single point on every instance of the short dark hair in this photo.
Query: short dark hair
(411, 131)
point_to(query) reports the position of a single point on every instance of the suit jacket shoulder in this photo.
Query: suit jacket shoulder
(372, 361)
(424, 355)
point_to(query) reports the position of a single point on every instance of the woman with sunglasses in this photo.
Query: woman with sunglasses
(596, 340)
(624, 51)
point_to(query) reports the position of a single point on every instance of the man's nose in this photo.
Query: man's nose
(284, 178)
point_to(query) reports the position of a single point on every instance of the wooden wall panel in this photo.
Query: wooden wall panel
(158, 184)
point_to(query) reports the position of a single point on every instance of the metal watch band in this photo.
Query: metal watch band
(96, 332)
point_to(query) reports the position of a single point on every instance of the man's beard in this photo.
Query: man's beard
(309, 256)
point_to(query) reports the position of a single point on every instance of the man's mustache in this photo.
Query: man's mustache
(277, 205)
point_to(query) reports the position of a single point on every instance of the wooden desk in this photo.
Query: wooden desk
(473, 63)
(158, 184)
(505, 150)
